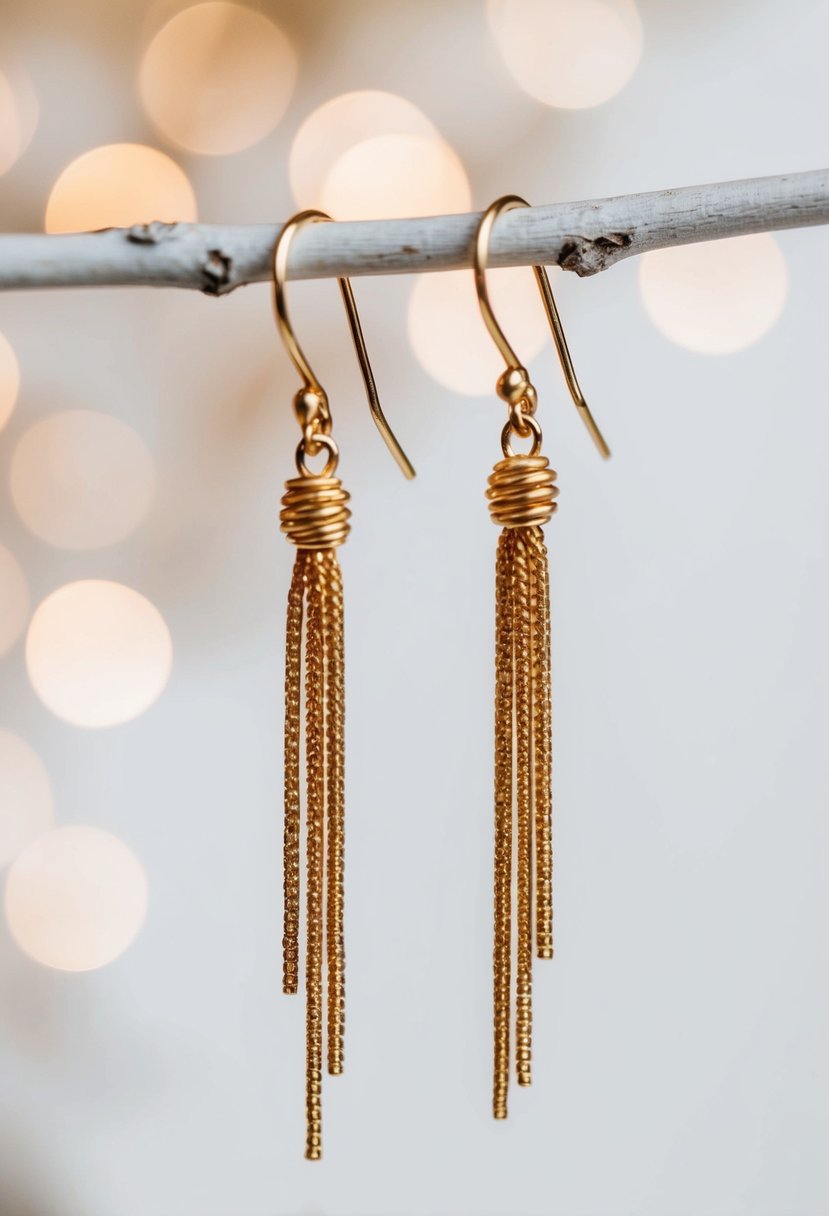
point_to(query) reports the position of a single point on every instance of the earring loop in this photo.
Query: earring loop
(311, 403)
(321, 440)
(533, 427)
(514, 384)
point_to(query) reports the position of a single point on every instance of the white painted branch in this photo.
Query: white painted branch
(585, 237)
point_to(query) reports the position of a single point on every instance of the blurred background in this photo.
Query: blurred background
(150, 1062)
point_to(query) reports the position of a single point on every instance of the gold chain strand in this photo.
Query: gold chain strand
(335, 793)
(523, 778)
(291, 845)
(315, 775)
(503, 821)
(542, 731)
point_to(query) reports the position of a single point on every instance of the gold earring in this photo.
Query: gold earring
(522, 498)
(315, 517)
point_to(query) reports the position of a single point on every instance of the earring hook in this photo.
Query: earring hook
(482, 240)
(319, 397)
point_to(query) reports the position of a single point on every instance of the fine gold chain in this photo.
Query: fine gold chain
(523, 764)
(293, 684)
(332, 607)
(503, 820)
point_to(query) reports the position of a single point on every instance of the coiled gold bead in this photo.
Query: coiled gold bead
(315, 512)
(522, 492)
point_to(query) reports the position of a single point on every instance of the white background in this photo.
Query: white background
(680, 1055)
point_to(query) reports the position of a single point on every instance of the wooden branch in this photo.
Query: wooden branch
(585, 237)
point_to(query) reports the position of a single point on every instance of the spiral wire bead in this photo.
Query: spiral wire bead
(315, 512)
(522, 492)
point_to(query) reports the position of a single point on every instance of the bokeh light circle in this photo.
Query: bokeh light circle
(76, 898)
(116, 186)
(18, 116)
(9, 379)
(717, 297)
(14, 600)
(81, 479)
(26, 804)
(448, 335)
(340, 123)
(393, 176)
(571, 54)
(217, 78)
(98, 653)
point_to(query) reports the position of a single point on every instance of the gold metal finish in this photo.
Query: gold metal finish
(504, 699)
(523, 810)
(332, 609)
(514, 386)
(522, 496)
(311, 402)
(522, 791)
(315, 602)
(315, 512)
(522, 492)
(542, 736)
(291, 849)
(315, 808)
(315, 518)
(523, 664)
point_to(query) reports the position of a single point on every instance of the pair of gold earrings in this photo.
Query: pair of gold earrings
(522, 498)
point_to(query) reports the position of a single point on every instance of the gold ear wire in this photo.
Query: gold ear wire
(318, 399)
(515, 373)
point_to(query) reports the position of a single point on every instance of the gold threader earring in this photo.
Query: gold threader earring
(315, 517)
(522, 498)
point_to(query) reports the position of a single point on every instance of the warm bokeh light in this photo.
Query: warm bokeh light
(76, 898)
(217, 78)
(9, 125)
(568, 53)
(14, 600)
(337, 125)
(116, 186)
(98, 653)
(392, 176)
(18, 117)
(9, 380)
(718, 297)
(448, 335)
(81, 480)
(25, 796)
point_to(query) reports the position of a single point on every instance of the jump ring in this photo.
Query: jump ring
(533, 426)
(321, 440)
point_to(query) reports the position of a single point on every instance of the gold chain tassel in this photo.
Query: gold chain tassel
(315, 517)
(522, 494)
